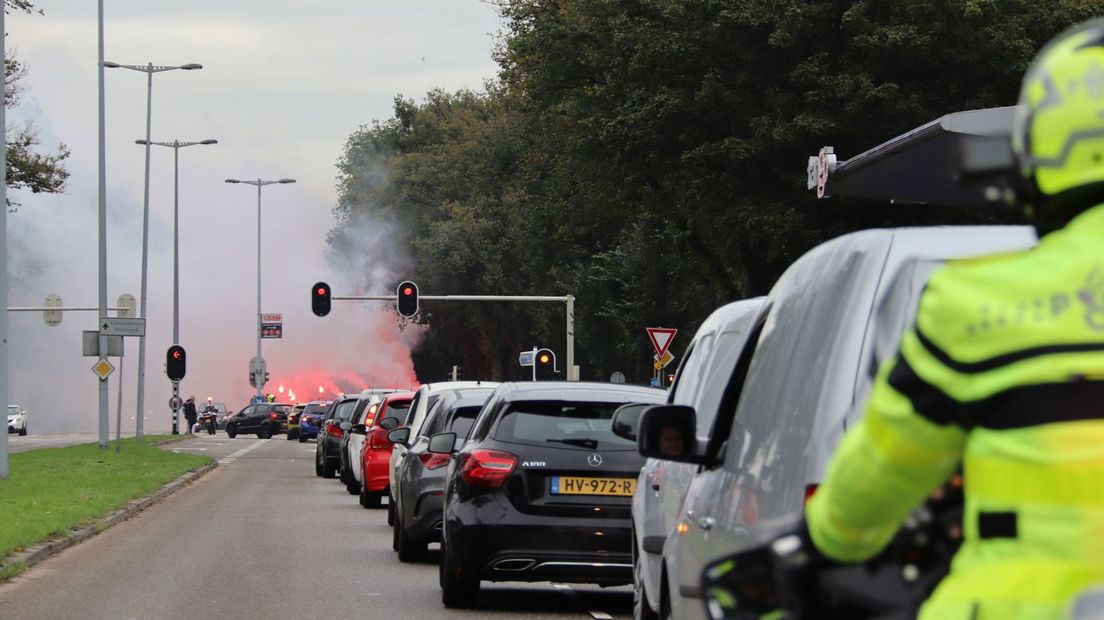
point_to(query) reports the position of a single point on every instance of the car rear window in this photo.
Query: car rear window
(585, 425)
(463, 419)
(314, 409)
(397, 409)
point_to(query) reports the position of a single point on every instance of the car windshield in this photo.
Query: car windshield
(585, 425)
(13, 409)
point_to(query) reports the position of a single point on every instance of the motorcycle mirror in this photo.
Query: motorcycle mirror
(741, 586)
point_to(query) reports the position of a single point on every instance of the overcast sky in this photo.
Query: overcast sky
(283, 84)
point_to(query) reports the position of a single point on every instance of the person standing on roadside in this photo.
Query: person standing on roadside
(190, 413)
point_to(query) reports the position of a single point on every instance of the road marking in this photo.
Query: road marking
(233, 457)
(574, 596)
(200, 449)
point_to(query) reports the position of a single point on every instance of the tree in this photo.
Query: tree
(26, 167)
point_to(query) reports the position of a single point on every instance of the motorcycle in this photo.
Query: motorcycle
(784, 577)
(209, 421)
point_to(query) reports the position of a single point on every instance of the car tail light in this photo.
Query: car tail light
(377, 439)
(487, 468)
(371, 415)
(432, 460)
(273, 414)
(334, 430)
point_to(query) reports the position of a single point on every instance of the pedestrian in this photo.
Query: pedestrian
(190, 413)
(1016, 400)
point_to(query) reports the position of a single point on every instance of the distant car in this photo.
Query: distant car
(327, 452)
(264, 419)
(376, 453)
(17, 420)
(421, 475)
(293, 421)
(310, 420)
(541, 490)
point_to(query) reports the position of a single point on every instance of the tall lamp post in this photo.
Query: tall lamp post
(176, 145)
(149, 69)
(259, 380)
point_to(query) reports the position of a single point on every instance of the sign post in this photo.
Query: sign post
(661, 338)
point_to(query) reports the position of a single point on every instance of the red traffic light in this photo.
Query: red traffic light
(407, 302)
(320, 299)
(175, 354)
(175, 363)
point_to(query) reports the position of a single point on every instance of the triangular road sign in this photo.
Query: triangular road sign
(661, 338)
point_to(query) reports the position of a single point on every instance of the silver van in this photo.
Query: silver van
(791, 393)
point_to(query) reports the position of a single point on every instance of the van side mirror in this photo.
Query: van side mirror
(442, 443)
(626, 420)
(399, 436)
(667, 432)
(389, 423)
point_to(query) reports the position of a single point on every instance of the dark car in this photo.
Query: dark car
(420, 479)
(310, 420)
(541, 490)
(327, 453)
(294, 429)
(265, 419)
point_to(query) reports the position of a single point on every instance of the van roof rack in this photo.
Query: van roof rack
(962, 159)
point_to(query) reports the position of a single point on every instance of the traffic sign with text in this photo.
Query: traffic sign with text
(122, 327)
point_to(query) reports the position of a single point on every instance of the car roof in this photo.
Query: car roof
(580, 390)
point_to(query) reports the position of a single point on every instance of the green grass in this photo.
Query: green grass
(52, 491)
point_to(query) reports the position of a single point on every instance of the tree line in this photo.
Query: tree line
(648, 157)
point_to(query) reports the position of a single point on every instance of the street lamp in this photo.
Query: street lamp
(259, 183)
(176, 145)
(149, 69)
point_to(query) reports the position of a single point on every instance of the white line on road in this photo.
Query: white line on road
(201, 449)
(574, 596)
(233, 457)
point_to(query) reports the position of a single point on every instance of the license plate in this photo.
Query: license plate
(586, 485)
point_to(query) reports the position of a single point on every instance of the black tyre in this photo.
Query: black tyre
(328, 471)
(23, 432)
(302, 439)
(351, 485)
(370, 500)
(265, 432)
(390, 509)
(290, 436)
(641, 609)
(458, 588)
(231, 430)
(318, 464)
(410, 549)
(395, 535)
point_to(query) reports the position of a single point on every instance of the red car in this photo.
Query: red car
(376, 455)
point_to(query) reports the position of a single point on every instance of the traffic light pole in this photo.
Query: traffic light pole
(568, 300)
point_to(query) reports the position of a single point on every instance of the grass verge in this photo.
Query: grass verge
(52, 491)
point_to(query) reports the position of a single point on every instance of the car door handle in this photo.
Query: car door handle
(706, 523)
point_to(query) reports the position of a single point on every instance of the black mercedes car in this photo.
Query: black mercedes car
(541, 490)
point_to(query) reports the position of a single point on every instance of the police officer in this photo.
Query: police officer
(1003, 372)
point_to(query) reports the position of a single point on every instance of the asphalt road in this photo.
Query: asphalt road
(262, 537)
(33, 441)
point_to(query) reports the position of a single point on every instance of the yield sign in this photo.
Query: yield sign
(661, 338)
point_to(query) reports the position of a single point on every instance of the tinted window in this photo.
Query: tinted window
(435, 421)
(397, 409)
(561, 422)
(344, 410)
(411, 409)
(312, 408)
(462, 420)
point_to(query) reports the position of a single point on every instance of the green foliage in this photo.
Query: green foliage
(648, 156)
(25, 167)
(54, 490)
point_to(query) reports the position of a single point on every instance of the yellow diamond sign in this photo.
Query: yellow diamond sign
(103, 369)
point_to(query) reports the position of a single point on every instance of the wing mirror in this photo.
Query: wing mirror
(442, 443)
(626, 420)
(389, 423)
(399, 436)
(667, 432)
(345, 426)
(358, 429)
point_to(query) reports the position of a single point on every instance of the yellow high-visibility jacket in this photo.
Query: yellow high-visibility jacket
(1002, 371)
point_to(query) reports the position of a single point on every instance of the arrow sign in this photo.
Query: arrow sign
(122, 327)
(661, 338)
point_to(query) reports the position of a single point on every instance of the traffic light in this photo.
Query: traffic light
(407, 294)
(320, 299)
(545, 363)
(175, 362)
